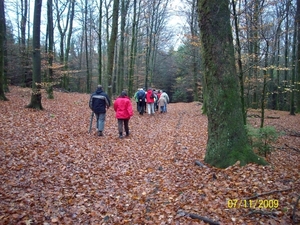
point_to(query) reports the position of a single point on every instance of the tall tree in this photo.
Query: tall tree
(111, 46)
(133, 48)
(23, 52)
(50, 48)
(239, 60)
(100, 43)
(227, 139)
(121, 67)
(298, 58)
(2, 47)
(36, 96)
(88, 75)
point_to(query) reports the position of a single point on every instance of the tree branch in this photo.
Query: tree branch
(294, 210)
(262, 213)
(268, 193)
(195, 216)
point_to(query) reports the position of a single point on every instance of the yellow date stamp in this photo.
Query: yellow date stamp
(253, 204)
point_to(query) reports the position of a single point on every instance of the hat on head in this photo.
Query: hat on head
(123, 93)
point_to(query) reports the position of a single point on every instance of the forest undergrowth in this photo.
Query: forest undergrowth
(54, 172)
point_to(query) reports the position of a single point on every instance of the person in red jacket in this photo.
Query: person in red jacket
(150, 101)
(124, 112)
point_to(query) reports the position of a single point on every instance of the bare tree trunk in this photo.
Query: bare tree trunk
(121, 69)
(50, 49)
(263, 95)
(88, 76)
(2, 40)
(36, 96)
(100, 44)
(24, 11)
(298, 58)
(241, 74)
(133, 48)
(293, 83)
(111, 47)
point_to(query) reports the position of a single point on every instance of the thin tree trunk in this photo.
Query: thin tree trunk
(50, 49)
(121, 69)
(2, 40)
(100, 44)
(36, 96)
(24, 11)
(88, 76)
(263, 96)
(240, 67)
(132, 49)
(293, 84)
(111, 46)
(298, 58)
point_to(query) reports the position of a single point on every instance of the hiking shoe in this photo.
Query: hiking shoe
(120, 136)
(100, 133)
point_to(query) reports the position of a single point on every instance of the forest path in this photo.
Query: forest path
(53, 171)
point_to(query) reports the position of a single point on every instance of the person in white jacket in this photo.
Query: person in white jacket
(166, 96)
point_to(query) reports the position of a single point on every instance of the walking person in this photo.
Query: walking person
(135, 96)
(150, 101)
(141, 96)
(161, 104)
(166, 96)
(99, 103)
(124, 112)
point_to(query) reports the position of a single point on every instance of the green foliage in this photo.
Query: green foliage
(261, 139)
(179, 96)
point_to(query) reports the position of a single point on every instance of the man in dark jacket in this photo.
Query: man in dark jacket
(99, 103)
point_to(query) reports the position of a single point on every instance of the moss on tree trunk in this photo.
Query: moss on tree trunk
(227, 138)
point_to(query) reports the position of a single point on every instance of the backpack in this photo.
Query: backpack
(141, 95)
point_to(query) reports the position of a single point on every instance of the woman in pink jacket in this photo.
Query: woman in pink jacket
(124, 112)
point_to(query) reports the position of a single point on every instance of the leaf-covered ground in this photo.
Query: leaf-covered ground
(54, 172)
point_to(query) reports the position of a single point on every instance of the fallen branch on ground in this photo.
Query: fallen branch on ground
(294, 210)
(295, 149)
(195, 216)
(262, 213)
(273, 117)
(268, 193)
(198, 163)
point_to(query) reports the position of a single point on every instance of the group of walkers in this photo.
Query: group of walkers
(151, 100)
(100, 102)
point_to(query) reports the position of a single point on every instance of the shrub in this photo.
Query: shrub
(261, 139)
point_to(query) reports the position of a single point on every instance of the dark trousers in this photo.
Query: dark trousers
(141, 106)
(125, 123)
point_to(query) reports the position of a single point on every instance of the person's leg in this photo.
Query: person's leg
(126, 126)
(97, 119)
(101, 123)
(142, 107)
(120, 128)
(149, 108)
(152, 108)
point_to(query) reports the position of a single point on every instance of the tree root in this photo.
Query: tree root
(195, 216)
